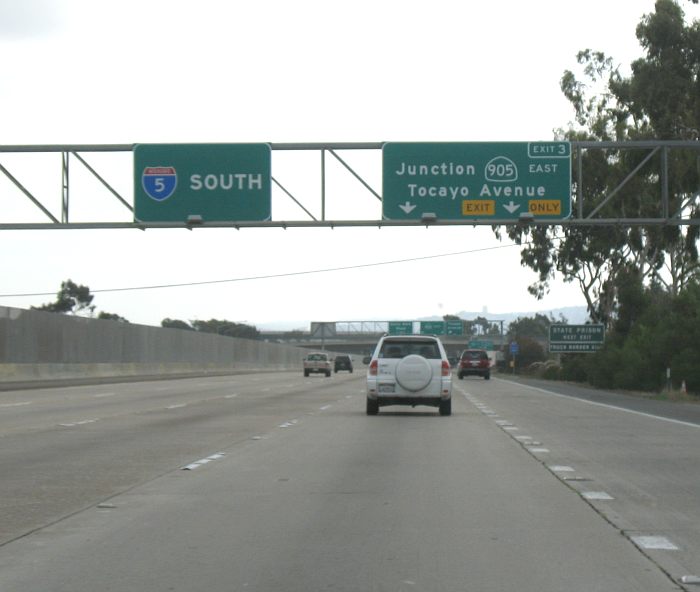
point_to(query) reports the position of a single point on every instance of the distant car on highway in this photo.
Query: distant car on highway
(317, 363)
(474, 362)
(342, 362)
(409, 370)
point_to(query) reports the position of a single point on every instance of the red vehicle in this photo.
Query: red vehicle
(474, 362)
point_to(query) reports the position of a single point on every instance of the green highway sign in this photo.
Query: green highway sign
(476, 180)
(202, 182)
(576, 338)
(480, 344)
(454, 328)
(432, 328)
(400, 327)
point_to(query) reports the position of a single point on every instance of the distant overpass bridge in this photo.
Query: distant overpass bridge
(360, 337)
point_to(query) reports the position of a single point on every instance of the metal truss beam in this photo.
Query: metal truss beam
(580, 218)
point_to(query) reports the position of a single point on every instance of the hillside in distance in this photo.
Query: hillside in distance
(573, 315)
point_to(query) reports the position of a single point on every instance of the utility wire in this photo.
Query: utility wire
(278, 275)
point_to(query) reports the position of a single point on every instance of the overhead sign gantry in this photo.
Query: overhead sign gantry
(431, 183)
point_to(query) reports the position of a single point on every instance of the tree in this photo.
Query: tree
(228, 328)
(481, 326)
(536, 327)
(529, 352)
(71, 298)
(176, 324)
(111, 317)
(659, 100)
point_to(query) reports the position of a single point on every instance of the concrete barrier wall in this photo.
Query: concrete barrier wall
(38, 345)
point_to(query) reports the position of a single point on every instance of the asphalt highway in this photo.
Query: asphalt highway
(279, 482)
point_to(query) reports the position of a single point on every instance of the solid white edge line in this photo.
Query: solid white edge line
(572, 398)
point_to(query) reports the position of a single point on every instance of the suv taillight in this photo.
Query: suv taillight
(373, 368)
(445, 368)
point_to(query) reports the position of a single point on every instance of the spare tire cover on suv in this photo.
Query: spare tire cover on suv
(414, 373)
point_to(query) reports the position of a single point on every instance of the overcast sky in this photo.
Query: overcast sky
(122, 72)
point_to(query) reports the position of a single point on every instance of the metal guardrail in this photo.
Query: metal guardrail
(581, 216)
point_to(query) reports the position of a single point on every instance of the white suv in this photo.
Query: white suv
(409, 370)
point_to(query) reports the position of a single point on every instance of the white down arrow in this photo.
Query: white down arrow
(511, 207)
(408, 207)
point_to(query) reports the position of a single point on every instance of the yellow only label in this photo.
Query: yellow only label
(544, 207)
(478, 207)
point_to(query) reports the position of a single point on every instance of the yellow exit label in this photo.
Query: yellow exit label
(544, 207)
(478, 207)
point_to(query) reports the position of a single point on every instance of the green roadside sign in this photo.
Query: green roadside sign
(454, 328)
(576, 338)
(481, 344)
(476, 180)
(432, 328)
(400, 327)
(199, 183)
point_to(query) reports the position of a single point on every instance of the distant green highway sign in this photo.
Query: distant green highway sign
(202, 182)
(400, 327)
(576, 338)
(481, 344)
(476, 180)
(454, 328)
(432, 328)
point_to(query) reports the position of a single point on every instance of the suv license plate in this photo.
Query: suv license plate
(386, 388)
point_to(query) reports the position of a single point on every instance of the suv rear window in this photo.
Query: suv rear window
(474, 355)
(401, 349)
(317, 357)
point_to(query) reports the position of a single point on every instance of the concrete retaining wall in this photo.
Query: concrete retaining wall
(38, 345)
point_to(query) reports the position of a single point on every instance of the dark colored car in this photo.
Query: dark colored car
(343, 363)
(474, 362)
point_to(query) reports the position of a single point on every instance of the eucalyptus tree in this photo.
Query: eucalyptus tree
(659, 99)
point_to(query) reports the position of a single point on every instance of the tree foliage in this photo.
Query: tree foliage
(216, 326)
(176, 324)
(109, 316)
(77, 300)
(536, 327)
(655, 332)
(71, 298)
(660, 99)
(228, 328)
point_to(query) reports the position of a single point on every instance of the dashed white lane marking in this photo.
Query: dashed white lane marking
(654, 542)
(289, 424)
(103, 395)
(561, 469)
(20, 404)
(597, 495)
(539, 450)
(233, 396)
(325, 407)
(78, 423)
(198, 463)
(179, 406)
